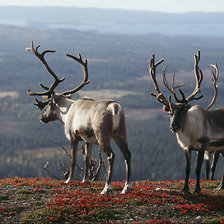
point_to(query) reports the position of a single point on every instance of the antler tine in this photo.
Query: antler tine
(41, 104)
(199, 77)
(50, 90)
(152, 70)
(85, 73)
(43, 86)
(214, 80)
(171, 89)
(165, 80)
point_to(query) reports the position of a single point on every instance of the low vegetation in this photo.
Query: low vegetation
(118, 66)
(43, 200)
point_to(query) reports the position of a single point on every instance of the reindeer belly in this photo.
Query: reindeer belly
(89, 136)
(217, 145)
(185, 142)
(86, 134)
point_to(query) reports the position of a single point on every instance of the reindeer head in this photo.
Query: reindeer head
(177, 116)
(57, 103)
(177, 111)
(49, 114)
(55, 100)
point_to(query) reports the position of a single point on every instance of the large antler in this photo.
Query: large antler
(49, 90)
(152, 68)
(214, 80)
(171, 89)
(199, 77)
(85, 80)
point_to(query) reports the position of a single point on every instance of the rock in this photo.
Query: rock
(198, 219)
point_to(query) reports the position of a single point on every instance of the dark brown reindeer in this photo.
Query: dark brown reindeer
(86, 119)
(196, 128)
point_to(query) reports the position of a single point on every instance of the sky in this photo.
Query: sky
(173, 6)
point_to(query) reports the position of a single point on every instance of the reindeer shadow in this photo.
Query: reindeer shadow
(209, 201)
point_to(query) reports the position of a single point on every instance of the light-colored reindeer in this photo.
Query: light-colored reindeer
(86, 119)
(211, 159)
(196, 128)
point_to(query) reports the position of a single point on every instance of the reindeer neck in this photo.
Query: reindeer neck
(63, 109)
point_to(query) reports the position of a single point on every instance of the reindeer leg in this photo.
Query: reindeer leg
(127, 156)
(74, 151)
(214, 163)
(207, 169)
(87, 153)
(110, 159)
(208, 166)
(187, 153)
(198, 169)
(221, 186)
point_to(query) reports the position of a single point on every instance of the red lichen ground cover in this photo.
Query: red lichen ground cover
(43, 200)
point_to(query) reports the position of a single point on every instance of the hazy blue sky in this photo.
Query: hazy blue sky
(154, 5)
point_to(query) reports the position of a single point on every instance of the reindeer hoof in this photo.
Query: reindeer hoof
(107, 189)
(127, 188)
(67, 181)
(197, 192)
(185, 192)
(220, 187)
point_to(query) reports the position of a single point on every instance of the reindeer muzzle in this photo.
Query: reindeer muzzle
(43, 119)
(174, 127)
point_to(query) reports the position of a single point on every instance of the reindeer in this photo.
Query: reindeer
(86, 119)
(196, 128)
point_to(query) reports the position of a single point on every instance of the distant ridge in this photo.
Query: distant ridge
(115, 21)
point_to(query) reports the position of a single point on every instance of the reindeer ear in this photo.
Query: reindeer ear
(57, 98)
(54, 98)
(187, 107)
(166, 108)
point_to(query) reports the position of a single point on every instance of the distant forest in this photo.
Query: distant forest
(116, 62)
